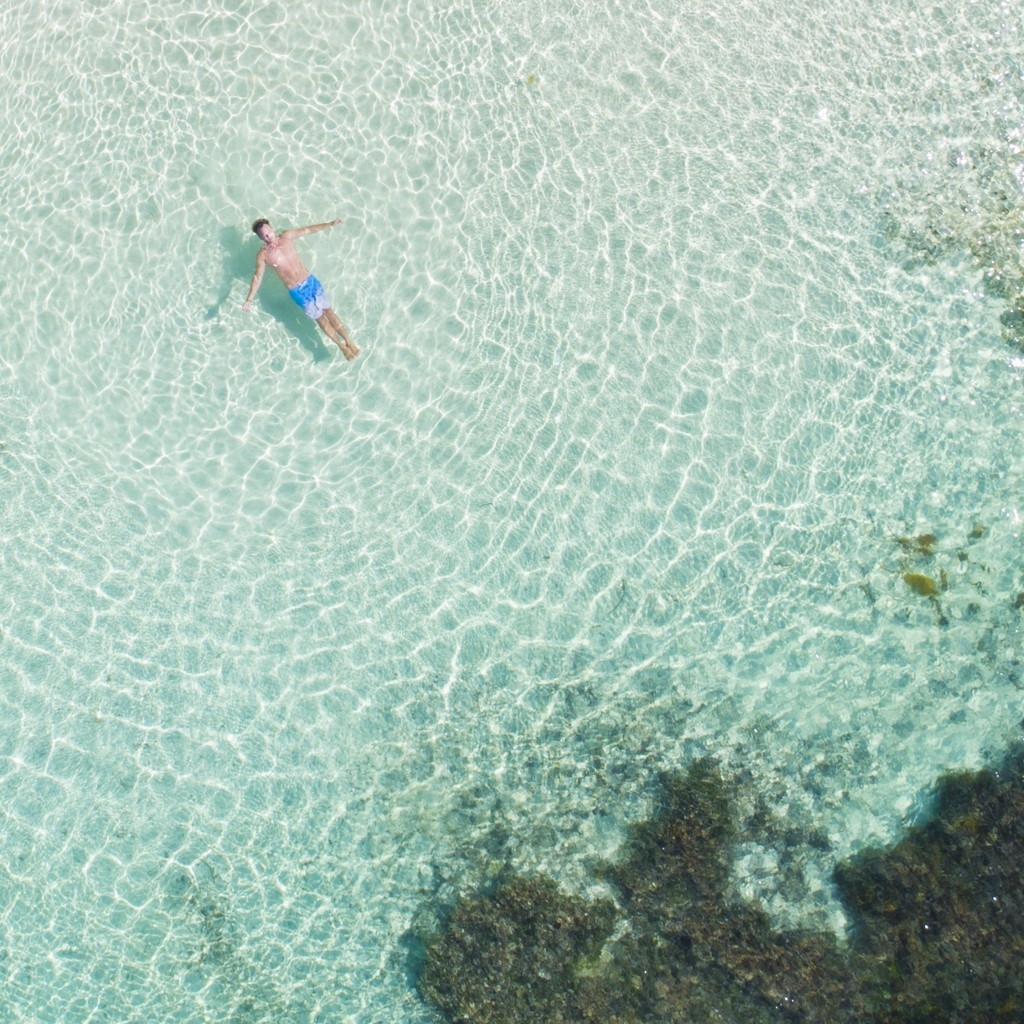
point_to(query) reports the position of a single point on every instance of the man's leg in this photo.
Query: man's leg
(325, 325)
(340, 328)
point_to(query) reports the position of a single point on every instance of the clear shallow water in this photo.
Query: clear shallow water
(653, 382)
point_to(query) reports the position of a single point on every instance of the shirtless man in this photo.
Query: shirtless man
(302, 286)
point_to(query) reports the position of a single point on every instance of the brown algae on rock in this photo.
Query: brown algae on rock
(922, 584)
(922, 544)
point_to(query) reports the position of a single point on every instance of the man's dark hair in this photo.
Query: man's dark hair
(257, 224)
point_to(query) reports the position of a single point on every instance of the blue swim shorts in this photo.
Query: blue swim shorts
(310, 295)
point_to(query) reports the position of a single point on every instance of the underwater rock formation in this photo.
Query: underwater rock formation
(706, 951)
(964, 199)
(938, 935)
(943, 910)
(515, 955)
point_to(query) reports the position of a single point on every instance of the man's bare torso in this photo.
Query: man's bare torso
(279, 251)
(283, 257)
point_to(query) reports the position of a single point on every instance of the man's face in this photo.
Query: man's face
(266, 232)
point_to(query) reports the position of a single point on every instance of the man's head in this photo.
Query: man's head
(262, 229)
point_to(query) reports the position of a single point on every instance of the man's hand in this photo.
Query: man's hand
(246, 306)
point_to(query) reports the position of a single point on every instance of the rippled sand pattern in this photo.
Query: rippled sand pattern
(649, 420)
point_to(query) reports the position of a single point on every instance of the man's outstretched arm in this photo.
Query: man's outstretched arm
(311, 229)
(257, 279)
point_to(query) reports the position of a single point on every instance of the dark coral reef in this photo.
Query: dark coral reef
(938, 929)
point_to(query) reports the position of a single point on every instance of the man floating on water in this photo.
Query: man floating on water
(279, 251)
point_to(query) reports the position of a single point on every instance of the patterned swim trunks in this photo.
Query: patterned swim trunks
(310, 295)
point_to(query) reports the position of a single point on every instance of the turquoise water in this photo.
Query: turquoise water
(659, 364)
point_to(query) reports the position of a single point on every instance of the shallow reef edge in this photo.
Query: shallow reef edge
(937, 926)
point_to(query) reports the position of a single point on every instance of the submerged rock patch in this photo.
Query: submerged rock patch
(938, 930)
